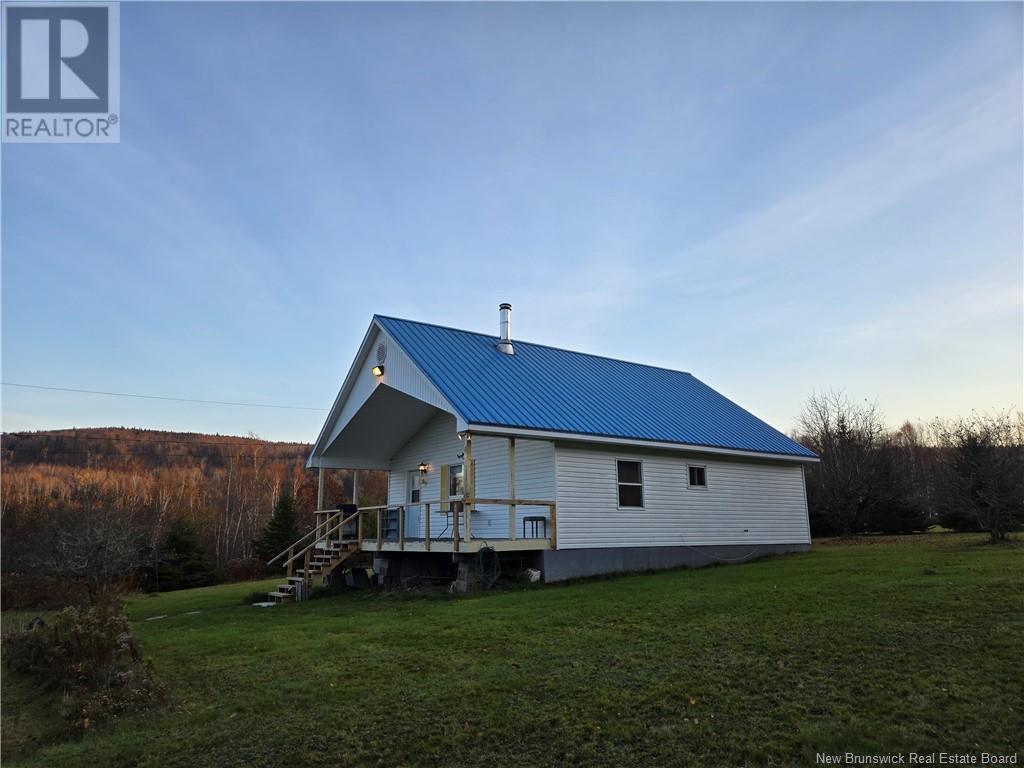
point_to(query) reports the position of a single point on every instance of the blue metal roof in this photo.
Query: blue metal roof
(545, 388)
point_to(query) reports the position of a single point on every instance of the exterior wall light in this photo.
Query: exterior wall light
(377, 370)
(423, 468)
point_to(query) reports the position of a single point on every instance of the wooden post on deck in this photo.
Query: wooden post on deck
(552, 519)
(359, 531)
(319, 498)
(426, 526)
(512, 487)
(455, 527)
(380, 529)
(291, 562)
(355, 487)
(445, 479)
(469, 491)
(401, 528)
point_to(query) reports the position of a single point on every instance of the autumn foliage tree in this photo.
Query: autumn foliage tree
(224, 486)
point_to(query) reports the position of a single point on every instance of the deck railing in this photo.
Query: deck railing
(333, 521)
(461, 511)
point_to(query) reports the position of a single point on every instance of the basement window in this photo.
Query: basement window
(631, 487)
(698, 477)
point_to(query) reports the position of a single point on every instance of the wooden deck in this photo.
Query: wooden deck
(336, 537)
(449, 545)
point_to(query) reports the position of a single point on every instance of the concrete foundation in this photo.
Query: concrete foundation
(468, 579)
(564, 564)
(401, 568)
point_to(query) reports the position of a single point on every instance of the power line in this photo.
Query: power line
(160, 397)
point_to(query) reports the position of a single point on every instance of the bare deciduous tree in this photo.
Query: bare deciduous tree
(94, 543)
(982, 458)
(847, 437)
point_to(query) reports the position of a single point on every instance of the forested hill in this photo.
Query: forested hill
(123, 448)
(224, 486)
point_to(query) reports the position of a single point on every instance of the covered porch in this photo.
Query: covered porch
(436, 501)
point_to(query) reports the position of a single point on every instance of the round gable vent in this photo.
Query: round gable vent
(382, 352)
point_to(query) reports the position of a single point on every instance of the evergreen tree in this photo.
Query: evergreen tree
(282, 529)
(183, 563)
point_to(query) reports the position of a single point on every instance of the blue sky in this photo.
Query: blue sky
(777, 198)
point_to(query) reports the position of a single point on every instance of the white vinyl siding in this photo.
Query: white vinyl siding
(535, 479)
(435, 444)
(438, 443)
(746, 502)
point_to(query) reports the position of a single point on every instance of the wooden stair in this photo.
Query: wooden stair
(324, 558)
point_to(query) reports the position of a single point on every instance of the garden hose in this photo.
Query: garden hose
(488, 567)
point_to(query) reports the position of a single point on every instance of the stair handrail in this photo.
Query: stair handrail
(306, 535)
(302, 552)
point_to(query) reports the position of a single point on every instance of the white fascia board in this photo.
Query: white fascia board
(340, 399)
(346, 387)
(539, 434)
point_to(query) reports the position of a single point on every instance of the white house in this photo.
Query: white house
(572, 463)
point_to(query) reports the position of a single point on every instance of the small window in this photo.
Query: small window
(698, 477)
(631, 488)
(414, 486)
(455, 481)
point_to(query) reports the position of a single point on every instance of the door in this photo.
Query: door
(413, 510)
(456, 492)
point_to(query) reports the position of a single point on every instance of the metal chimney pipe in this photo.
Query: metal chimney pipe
(505, 329)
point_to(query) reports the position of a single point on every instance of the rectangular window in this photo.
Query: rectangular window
(698, 477)
(456, 480)
(414, 486)
(631, 484)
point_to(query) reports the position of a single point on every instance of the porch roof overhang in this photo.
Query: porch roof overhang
(384, 423)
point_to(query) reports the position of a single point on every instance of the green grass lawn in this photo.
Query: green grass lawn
(882, 644)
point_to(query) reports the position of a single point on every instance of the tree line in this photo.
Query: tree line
(94, 508)
(966, 474)
(88, 506)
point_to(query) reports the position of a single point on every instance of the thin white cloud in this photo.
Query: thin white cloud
(964, 130)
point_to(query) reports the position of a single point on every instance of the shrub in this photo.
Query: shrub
(92, 658)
